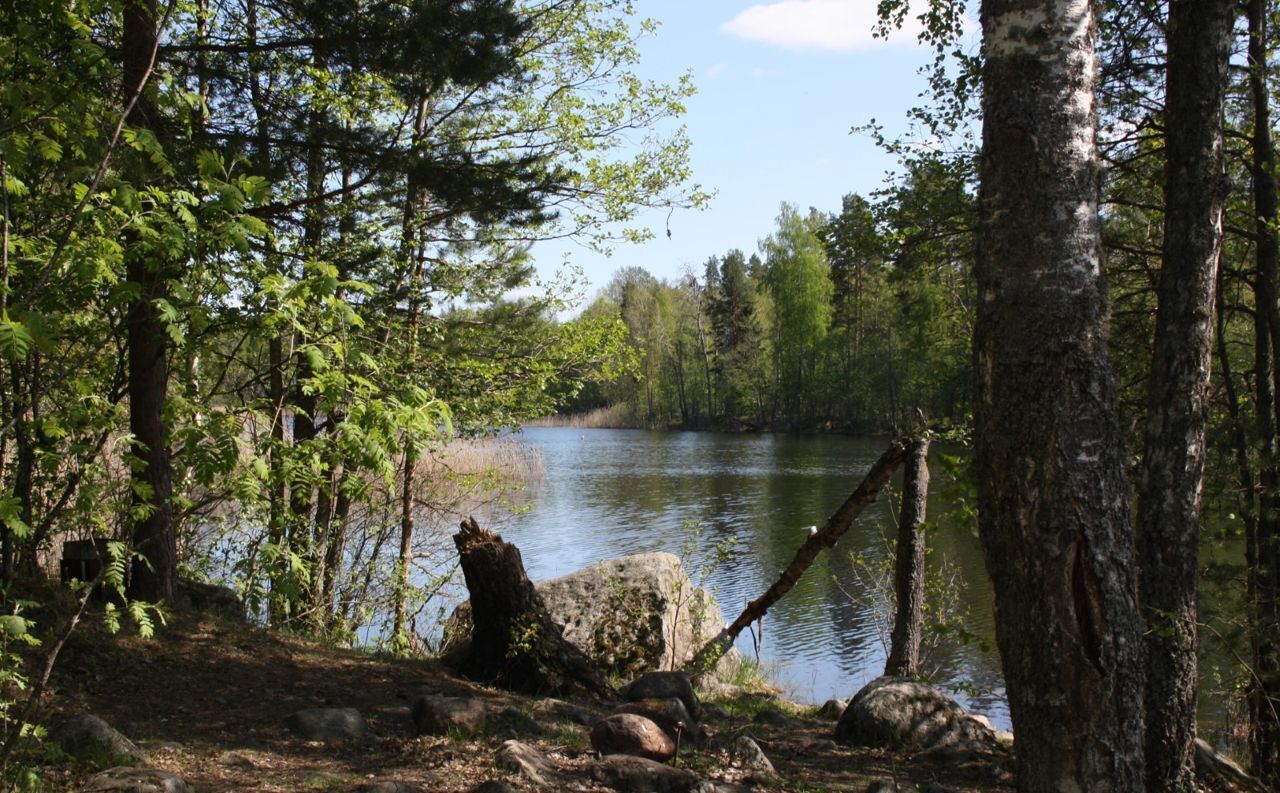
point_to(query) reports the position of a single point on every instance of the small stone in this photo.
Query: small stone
(832, 708)
(661, 685)
(328, 724)
(494, 786)
(567, 711)
(235, 760)
(627, 733)
(822, 745)
(526, 761)
(638, 775)
(711, 710)
(514, 722)
(772, 717)
(440, 715)
(89, 739)
(746, 754)
(136, 780)
(882, 786)
(670, 714)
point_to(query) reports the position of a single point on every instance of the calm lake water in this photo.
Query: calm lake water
(608, 493)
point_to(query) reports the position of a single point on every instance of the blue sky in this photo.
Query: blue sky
(780, 84)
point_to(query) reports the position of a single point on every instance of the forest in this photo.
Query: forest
(263, 260)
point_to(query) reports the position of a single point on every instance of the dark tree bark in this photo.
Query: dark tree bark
(153, 576)
(514, 642)
(1052, 494)
(824, 537)
(1169, 497)
(1264, 550)
(909, 564)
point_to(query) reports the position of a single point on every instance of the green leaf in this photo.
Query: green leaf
(15, 339)
(12, 626)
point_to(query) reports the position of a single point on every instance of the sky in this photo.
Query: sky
(780, 86)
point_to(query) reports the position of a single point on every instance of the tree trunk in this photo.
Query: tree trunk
(153, 575)
(909, 565)
(1052, 495)
(825, 537)
(1264, 573)
(514, 643)
(1169, 498)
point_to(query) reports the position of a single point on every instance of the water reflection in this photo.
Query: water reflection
(606, 493)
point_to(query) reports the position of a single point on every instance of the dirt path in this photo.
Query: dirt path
(207, 698)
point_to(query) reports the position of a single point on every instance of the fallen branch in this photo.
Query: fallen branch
(826, 537)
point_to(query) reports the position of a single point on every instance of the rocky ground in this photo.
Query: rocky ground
(229, 707)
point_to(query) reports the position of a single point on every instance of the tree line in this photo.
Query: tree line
(847, 321)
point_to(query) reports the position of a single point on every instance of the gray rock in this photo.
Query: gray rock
(211, 598)
(526, 761)
(899, 713)
(513, 722)
(662, 685)
(235, 760)
(670, 714)
(494, 786)
(773, 717)
(566, 711)
(746, 754)
(882, 786)
(440, 715)
(638, 775)
(136, 780)
(631, 614)
(89, 739)
(711, 710)
(832, 708)
(328, 724)
(627, 733)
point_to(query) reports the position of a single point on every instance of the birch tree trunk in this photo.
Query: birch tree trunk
(1053, 500)
(1169, 499)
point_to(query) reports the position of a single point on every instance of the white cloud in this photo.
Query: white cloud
(716, 70)
(840, 25)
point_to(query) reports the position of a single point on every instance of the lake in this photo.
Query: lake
(607, 493)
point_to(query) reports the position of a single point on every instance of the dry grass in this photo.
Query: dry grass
(207, 699)
(611, 417)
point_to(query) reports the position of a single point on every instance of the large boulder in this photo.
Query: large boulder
(638, 775)
(328, 725)
(900, 713)
(630, 615)
(434, 715)
(89, 739)
(627, 733)
(663, 685)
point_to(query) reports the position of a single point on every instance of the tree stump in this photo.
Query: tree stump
(514, 642)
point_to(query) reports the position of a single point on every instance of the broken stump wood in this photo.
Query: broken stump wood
(909, 569)
(825, 537)
(514, 642)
